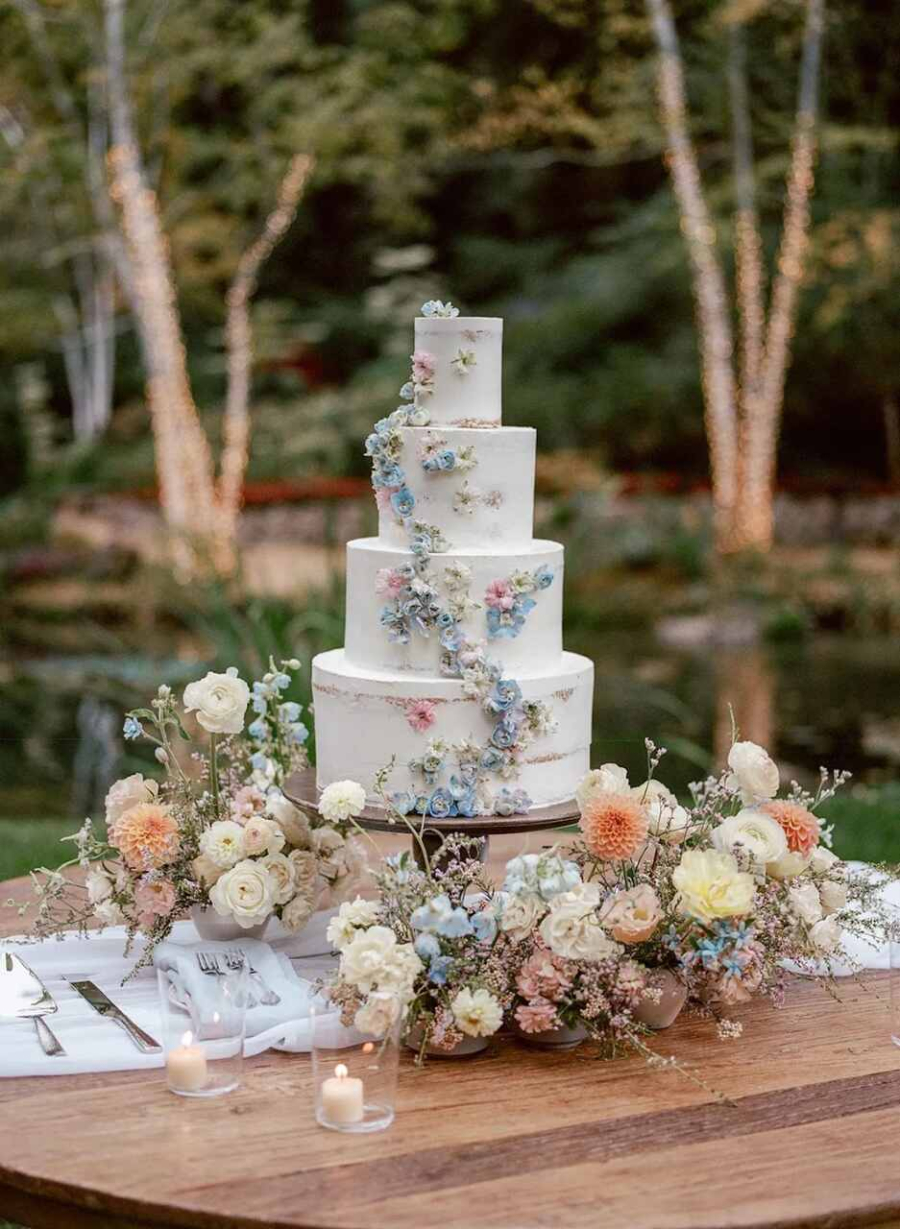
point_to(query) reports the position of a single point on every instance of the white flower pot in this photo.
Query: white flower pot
(463, 1049)
(674, 996)
(209, 925)
(561, 1038)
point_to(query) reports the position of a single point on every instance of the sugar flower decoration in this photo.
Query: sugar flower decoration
(420, 715)
(435, 307)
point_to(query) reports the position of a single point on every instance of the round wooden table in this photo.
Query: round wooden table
(513, 1139)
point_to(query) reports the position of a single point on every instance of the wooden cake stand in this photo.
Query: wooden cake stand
(301, 789)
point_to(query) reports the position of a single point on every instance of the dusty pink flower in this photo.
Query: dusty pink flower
(632, 914)
(543, 975)
(499, 595)
(800, 826)
(420, 715)
(614, 826)
(154, 900)
(246, 802)
(536, 1017)
(388, 582)
(423, 365)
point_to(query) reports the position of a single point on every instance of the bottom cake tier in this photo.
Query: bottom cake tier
(458, 748)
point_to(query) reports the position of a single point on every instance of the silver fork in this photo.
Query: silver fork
(236, 959)
(209, 964)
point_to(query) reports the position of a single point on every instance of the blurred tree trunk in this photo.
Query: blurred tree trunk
(891, 411)
(743, 416)
(745, 689)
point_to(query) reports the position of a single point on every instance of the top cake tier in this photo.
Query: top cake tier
(464, 355)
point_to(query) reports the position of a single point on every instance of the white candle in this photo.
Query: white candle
(342, 1097)
(186, 1066)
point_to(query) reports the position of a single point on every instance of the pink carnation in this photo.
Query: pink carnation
(536, 1017)
(154, 900)
(499, 595)
(388, 582)
(420, 715)
(543, 976)
(246, 802)
(423, 365)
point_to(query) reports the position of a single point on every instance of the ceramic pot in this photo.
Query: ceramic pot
(466, 1048)
(210, 926)
(668, 1009)
(561, 1038)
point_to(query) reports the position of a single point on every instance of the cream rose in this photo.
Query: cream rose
(262, 836)
(822, 860)
(826, 935)
(608, 779)
(478, 1014)
(378, 1014)
(306, 872)
(710, 886)
(244, 893)
(833, 895)
(804, 902)
(290, 819)
(572, 929)
(752, 833)
(127, 793)
(282, 875)
(788, 866)
(753, 772)
(223, 843)
(219, 700)
(520, 915)
(632, 915)
(206, 871)
(296, 913)
(342, 800)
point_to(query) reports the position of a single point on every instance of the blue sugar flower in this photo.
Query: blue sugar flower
(403, 501)
(467, 806)
(427, 946)
(451, 639)
(439, 970)
(485, 927)
(374, 444)
(440, 804)
(506, 694)
(446, 460)
(408, 391)
(132, 728)
(257, 729)
(505, 735)
(421, 807)
(420, 544)
(458, 788)
(491, 759)
(543, 577)
(403, 802)
(523, 606)
(445, 619)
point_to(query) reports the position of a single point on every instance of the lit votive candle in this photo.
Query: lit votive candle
(342, 1097)
(186, 1066)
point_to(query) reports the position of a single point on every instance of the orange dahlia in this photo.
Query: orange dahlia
(800, 826)
(614, 826)
(146, 836)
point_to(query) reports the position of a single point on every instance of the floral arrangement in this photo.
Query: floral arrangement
(217, 832)
(434, 307)
(509, 602)
(438, 458)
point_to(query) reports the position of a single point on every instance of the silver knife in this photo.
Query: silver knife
(105, 1007)
(24, 996)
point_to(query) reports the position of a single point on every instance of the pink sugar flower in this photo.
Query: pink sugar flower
(383, 499)
(154, 900)
(420, 715)
(388, 582)
(536, 1017)
(423, 365)
(499, 595)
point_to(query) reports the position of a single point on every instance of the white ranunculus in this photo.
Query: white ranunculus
(788, 866)
(329, 847)
(342, 800)
(365, 959)
(223, 843)
(378, 1014)
(805, 903)
(282, 874)
(520, 916)
(833, 895)
(290, 819)
(607, 779)
(478, 1014)
(99, 885)
(826, 935)
(262, 835)
(219, 700)
(572, 928)
(352, 916)
(296, 913)
(127, 793)
(753, 772)
(754, 833)
(244, 893)
(669, 821)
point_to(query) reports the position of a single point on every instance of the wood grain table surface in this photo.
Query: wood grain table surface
(513, 1139)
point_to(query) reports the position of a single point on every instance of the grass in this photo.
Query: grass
(27, 843)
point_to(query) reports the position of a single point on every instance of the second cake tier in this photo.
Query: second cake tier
(405, 616)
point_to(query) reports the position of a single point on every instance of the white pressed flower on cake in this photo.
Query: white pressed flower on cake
(223, 843)
(342, 800)
(607, 779)
(281, 873)
(262, 835)
(752, 833)
(754, 774)
(476, 1014)
(127, 793)
(219, 700)
(245, 893)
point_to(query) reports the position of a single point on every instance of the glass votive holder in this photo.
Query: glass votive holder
(355, 1086)
(203, 1037)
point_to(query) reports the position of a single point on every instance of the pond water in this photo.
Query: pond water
(827, 701)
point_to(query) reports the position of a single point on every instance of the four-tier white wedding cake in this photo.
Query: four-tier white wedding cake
(454, 666)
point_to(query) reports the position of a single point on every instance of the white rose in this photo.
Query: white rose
(127, 793)
(206, 871)
(833, 895)
(788, 866)
(378, 1014)
(223, 843)
(520, 916)
(572, 929)
(99, 885)
(328, 846)
(262, 836)
(352, 916)
(608, 779)
(341, 800)
(478, 1014)
(364, 960)
(805, 903)
(753, 772)
(826, 935)
(296, 913)
(290, 819)
(244, 893)
(220, 701)
(754, 833)
(282, 875)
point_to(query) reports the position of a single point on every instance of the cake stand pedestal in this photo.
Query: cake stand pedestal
(300, 788)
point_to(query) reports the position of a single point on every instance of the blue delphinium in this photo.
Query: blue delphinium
(257, 729)
(484, 924)
(132, 728)
(439, 970)
(427, 946)
(455, 925)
